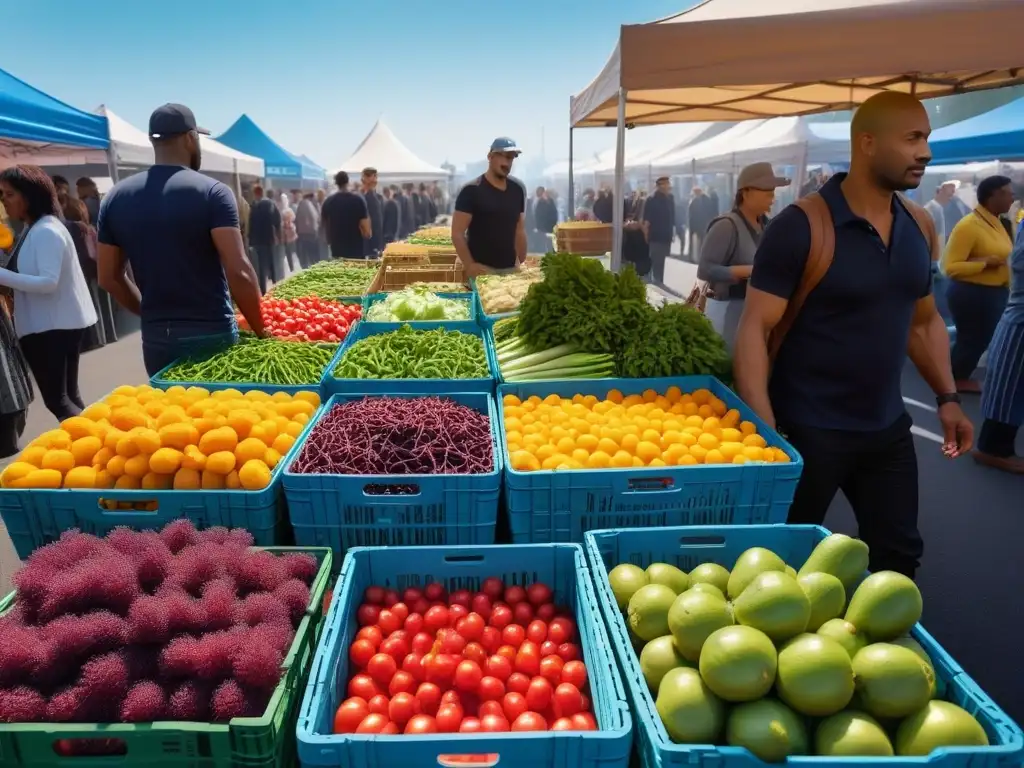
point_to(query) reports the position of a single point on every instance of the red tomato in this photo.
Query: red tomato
(548, 648)
(491, 639)
(522, 613)
(551, 669)
(493, 587)
(468, 676)
(537, 631)
(449, 716)
(491, 688)
(584, 721)
(401, 610)
(491, 707)
(373, 723)
(361, 652)
(514, 595)
(460, 597)
(363, 686)
(499, 667)
(367, 614)
(440, 668)
(412, 595)
(527, 659)
(413, 623)
(421, 724)
(514, 704)
(481, 604)
(529, 721)
(390, 598)
(374, 595)
(563, 724)
(567, 700)
(586, 703)
(395, 647)
(493, 723)
(538, 695)
(501, 616)
(456, 612)
(382, 668)
(471, 627)
(422, 643)
(429, 697)
(391, 729)
(371, 633)
(402, 707)
(436, 618)
(470, 725)
(513, 635)
(508, 652)
(378, 704)
(517, 682)
(402, 682)
(350, 714)
(475, 652)
(575, 672)
(538, 594)
(421, 606)
(561, 630)
(568, 652)
(388, 622)
(451, 641)
(435, 591)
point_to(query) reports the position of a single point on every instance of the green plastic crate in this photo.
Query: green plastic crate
(246, 742)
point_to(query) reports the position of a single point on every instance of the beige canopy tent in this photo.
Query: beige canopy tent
(743, 59)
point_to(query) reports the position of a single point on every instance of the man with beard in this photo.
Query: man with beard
(489, 223)
(178, 230)
(826, 331)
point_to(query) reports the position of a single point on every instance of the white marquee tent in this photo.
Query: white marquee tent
(684, 136)
(394, 161)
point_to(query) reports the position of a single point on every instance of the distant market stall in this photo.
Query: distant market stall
(994, 135)
(395, 163)
(284, 170)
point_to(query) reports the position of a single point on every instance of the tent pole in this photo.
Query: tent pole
(618, 202)
(570, 201)
(801, 172)
(112, 163)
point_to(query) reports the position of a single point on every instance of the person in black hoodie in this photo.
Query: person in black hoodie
(603, 206)
(545, 217)
(392, 216)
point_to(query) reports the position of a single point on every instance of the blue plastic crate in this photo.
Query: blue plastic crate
(561, 566)
(158, 380)
(34, 517)
(451, 325)
(688, 547)
(548, 505)
(333, 386)
(336, 511)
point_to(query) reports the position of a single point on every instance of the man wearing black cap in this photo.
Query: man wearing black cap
(489, 223)
(178, 230)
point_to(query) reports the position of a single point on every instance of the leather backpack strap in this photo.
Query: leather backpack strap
(819, 259)
(926, 224)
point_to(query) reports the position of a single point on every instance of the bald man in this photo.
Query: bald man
(833, 387)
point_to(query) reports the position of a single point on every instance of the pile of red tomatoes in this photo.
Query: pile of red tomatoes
(502, 659)
(307, 319)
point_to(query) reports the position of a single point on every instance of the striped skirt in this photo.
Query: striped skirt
(1002, 397)
(15, 384)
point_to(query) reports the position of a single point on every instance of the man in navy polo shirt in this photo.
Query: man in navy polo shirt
(834, 386)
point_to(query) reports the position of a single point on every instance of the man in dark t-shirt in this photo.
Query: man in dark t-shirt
(178, 229)
(375, 210)
(489, 223)
(264, 235)
(346, 221)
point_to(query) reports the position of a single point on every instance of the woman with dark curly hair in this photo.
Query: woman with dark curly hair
(52, 306)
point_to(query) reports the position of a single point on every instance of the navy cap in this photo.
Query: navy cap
(173, 120)
(505, 144)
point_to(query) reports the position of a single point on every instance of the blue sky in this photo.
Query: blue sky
(446, 75)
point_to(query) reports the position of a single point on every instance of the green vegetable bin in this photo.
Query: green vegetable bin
(332, 386)
(452, 325)
(561, 505)
(485, 320)
(36, 516)
(492, 352)
(267, 741)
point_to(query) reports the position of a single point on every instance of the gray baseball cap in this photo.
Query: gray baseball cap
(760, 176)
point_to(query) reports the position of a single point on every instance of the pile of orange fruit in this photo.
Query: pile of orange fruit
(141, 438)
(652, 429)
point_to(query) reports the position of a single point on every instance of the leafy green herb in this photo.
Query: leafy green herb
(675, 340)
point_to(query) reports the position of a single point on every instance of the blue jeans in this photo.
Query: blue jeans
(976, 310)
(165, 343)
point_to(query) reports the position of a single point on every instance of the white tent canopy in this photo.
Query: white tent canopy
(394, 161)
(684, 136)
(131, 147)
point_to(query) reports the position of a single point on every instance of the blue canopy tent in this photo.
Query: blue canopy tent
(290, 171)
(33, 123)
(994, 135)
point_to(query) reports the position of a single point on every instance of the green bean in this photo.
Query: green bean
(415, 354)
(258, 361)
(329, 281)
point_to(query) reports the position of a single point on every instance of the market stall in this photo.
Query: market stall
(395, 162)
(282, 169)
(994, 135)
(796, 59)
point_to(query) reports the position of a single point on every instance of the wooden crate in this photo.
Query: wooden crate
(586, 241)
(395, 278)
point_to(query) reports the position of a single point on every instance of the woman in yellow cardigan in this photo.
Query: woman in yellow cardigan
(975, 261)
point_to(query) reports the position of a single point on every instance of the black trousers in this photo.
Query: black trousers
(309, 250)
(877, 472)
(998, 439)
(976, 310)
(266, 270)
(53, 357)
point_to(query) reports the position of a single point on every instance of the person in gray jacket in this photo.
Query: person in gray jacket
(727, 251)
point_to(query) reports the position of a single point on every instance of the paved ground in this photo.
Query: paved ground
(972, 520)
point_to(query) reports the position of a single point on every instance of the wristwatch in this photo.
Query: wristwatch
(952, 397)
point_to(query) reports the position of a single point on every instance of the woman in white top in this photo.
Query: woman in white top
(52, 306)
